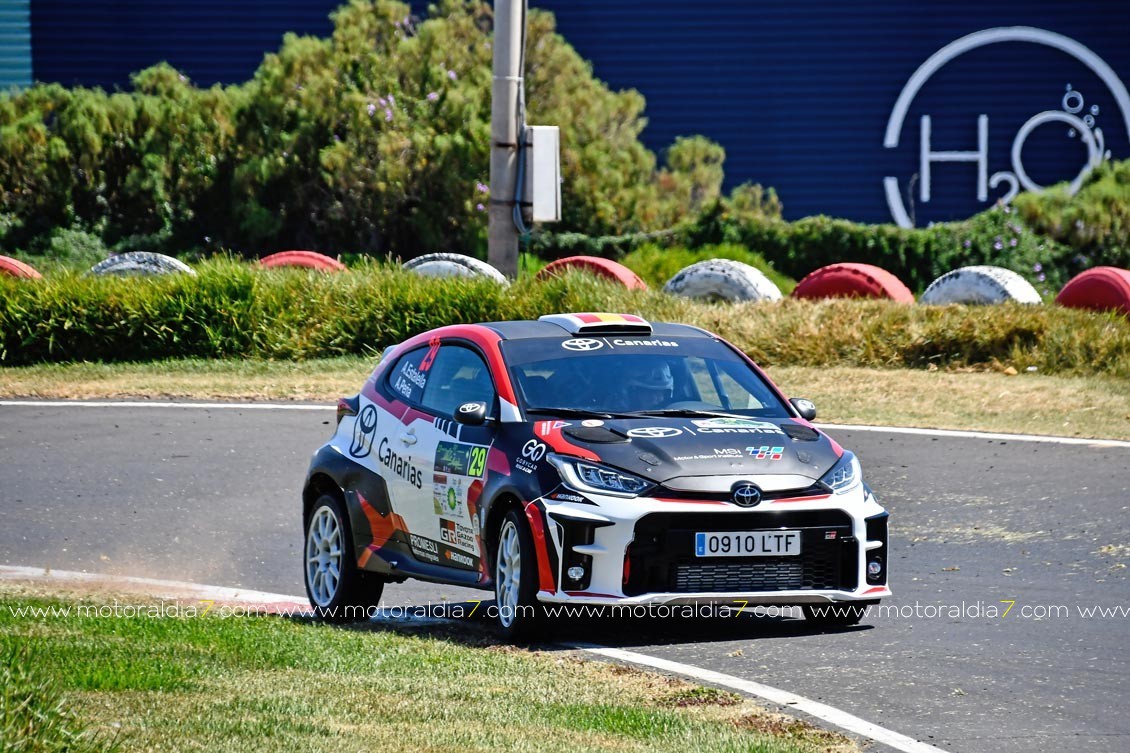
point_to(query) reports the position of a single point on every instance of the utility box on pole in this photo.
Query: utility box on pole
(541, 187)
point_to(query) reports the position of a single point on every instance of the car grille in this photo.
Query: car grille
(661, 558)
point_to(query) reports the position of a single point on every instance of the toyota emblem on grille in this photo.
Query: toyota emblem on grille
(745, 494)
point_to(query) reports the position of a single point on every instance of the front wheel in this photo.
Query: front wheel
(338, 590)
(516, 578)
(836, 615)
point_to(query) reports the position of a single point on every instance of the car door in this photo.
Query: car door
(453, 457)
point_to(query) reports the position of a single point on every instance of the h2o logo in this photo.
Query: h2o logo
(1077, 118)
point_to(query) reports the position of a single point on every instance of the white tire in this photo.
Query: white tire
(722, 279)
(140, 263)
(980, 285)
(454, 265)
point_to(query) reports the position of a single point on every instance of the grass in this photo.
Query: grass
(1027, 403)
(274, 684)
(233, 311)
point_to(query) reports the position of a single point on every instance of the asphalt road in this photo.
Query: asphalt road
(212, 496)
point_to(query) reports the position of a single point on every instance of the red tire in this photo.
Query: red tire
(304, 259)
(1099, 289)
(13, 268)
(606, 268)
(851, 280)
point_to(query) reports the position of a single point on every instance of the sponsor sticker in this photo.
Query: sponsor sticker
(592, 423)
(582, 344)
(401, 466)
(423, 549)
(735, 426)
(645, 343)
(363, 429)
(532, 453)
(766, 452)
(654, 432)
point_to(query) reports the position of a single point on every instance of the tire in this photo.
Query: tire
(140, 264)
(14, 268)
(1098, 289)
(302, 259)
(454, 265)
(604, 268)
(836, 615)
(980, 285)
(347, 597)
(851, 280)
(722, 280)
(519, 613)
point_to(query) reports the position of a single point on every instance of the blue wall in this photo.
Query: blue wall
(15, 43)
(799, 93)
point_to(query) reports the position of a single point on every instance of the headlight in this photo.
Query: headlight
(845, 474)
(591, 477)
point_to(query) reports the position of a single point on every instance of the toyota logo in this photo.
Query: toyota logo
(745, 494)
(654, 432)
(582, 344)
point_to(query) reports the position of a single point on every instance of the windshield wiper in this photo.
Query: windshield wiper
(576, 413)
(686, 413)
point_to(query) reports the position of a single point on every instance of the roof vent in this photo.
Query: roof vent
(607, 324)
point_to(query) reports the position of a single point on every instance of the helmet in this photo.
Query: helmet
(653, 376)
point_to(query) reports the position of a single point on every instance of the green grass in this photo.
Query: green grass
(235, 311)
(273, 684)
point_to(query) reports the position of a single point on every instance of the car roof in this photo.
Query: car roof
(525, 330)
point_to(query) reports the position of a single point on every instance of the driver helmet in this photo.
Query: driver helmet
(651, 383)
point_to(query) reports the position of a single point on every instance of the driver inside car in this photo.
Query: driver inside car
(646, 385)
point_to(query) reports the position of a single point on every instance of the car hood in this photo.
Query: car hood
(699, 454)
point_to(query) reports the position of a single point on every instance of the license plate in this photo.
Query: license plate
(747, 543)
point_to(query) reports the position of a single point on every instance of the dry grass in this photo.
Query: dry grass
(1028, 403)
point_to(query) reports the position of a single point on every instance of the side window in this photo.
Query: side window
(410, 374)
(458, 376)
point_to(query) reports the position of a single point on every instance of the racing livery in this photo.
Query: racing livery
(587, 459)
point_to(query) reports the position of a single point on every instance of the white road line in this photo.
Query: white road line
(977, 435)
(822, 711)
(146, 404)
(954, 433)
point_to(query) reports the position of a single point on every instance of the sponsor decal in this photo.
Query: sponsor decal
(654, 432)
(646, 343)
(582, 344)
(566, 497)
(532, 453)
(399, 465)
(409, 380)
(545, 428)
(735, 426)
(460, 459)
(430, 357)
(363, 429)
(462, 559)
(456, 534)
(592, 423)
(727, 452)
(423, 548)
(766, 452)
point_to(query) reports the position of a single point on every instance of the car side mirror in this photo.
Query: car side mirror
(472, 414)
(806, 408)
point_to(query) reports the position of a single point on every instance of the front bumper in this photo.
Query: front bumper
(640, 551)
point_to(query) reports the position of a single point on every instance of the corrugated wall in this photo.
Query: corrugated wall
(799, 93)
(15, 43)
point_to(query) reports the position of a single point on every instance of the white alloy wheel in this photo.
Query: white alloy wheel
(323, 556)
(508, 573)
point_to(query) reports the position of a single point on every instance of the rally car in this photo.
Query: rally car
(587, 459)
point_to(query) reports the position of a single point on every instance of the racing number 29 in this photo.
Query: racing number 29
(478, 461)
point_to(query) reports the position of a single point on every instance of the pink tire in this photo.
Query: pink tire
(851, 280)
(303, 259)
(606, 268)
(1098, 289)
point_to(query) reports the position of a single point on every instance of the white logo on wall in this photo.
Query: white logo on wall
(1079, 118)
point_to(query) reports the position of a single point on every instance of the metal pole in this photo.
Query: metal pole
(502, 236)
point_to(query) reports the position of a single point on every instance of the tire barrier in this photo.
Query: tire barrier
(722, 280)
(604, 268)
(454, 265)
(980, 285)
(852, 280)
(303, 260)
(14, 268)
(1098, 289)
(140, 264)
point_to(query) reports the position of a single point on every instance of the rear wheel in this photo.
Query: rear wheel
(516, 578)
(338, 590)
(835, 615)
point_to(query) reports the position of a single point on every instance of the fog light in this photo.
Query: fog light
(576, 572)
(874, 568)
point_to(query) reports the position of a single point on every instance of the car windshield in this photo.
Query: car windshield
(620, 376)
